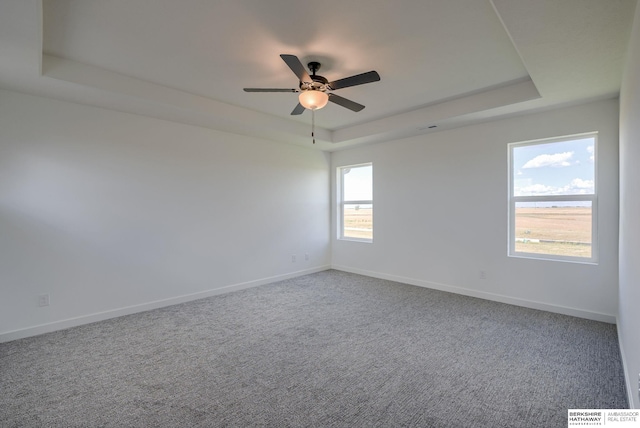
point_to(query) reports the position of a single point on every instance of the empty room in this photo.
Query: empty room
(236, 213)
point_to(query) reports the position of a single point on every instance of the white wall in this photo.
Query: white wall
(105, 211)
(440, 214)
(629, 312)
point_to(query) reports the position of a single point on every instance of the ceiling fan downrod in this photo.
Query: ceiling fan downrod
(314, 66)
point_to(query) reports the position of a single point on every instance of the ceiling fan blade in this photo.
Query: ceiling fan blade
(298, 110)
(296, 66)
(351, 105)
(358, 79)
(269, 90)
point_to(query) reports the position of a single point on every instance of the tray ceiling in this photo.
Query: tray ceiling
(442, 62)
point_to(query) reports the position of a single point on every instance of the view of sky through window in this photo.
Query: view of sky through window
(558, 168)
(358, 183)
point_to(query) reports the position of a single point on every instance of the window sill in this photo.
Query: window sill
(366, 241)
(551, 258)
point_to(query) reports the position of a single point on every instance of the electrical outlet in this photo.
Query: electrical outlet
(43, 300)
(482, 274)
(306, 257)
(293, 258)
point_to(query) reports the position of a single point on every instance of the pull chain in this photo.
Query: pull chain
(313, 125)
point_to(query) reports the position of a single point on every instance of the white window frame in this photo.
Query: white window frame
(342, 202)
(593, 198)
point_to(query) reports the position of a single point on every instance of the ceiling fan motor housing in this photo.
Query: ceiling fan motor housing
(318, 83)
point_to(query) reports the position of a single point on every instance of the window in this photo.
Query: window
(553, 199)
(355, 210)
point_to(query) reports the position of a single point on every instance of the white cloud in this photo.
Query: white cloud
(577, 186)
(555, 160)
(591, 151)
(534, 190)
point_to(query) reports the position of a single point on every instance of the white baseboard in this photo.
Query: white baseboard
(101, 316)
(627, 374)
(596, 316)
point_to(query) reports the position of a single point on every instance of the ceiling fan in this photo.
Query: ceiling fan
(315, 90)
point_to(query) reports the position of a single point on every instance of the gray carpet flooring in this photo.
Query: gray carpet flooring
(330, 349)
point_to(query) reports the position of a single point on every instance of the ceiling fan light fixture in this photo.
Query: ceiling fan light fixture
(313, 99)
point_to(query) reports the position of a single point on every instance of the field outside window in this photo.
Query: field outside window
(553, 205)
(356, 202)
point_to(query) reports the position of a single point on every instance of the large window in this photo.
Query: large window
(355, 210)
(553, 198)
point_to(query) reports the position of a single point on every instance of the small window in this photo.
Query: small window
(553, 199)
(355, 207)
